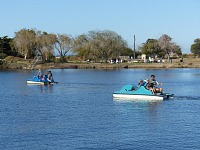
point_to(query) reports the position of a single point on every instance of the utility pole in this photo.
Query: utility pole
(134, 49)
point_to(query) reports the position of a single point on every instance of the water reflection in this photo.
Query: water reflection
(135, 100)
(44, 89)
(150, 105)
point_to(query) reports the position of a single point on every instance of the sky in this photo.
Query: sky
(180, 19)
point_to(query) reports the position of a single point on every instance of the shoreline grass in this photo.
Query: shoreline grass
(16, 63)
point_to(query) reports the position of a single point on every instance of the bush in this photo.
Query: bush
(13, 59)
(3, 55)
(9, 58)
(185, 56)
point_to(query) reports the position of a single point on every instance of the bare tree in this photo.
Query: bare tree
(24, 42)
(48, 45)
(165, 44)
(64, 44)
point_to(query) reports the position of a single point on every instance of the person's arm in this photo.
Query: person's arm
(158, 83)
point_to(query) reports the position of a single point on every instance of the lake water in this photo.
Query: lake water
(80, 112)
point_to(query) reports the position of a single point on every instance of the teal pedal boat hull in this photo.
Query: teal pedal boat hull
(132, 92)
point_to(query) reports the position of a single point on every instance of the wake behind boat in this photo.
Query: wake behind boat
(141, 93)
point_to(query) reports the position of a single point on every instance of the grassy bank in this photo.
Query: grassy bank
(19, 63)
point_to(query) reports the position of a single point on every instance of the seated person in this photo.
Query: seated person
(141, 83)
(148, 86)
(153, 84)
(49, 76)
(40, 74)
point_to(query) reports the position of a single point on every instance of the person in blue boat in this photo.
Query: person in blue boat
(49, 76)
(153, 84)
(40, 75)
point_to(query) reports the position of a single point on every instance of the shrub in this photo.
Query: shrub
(3, 55)
(9, 58)
(185, 56)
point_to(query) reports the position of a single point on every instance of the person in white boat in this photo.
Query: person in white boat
(141, 83)
(148, 85)
(154, 83)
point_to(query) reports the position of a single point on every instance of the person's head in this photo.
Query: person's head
(152, 76)
(141, 81)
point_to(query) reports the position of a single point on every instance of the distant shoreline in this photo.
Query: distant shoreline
(115, 66)
(23, 64)
(100, 66)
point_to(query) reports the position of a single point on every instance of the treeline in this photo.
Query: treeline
(164, 46)
(95, 45)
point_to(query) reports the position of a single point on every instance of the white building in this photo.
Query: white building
(143, 57)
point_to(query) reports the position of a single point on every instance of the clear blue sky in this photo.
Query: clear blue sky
(180, 19)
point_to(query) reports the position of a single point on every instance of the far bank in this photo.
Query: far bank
(24, 64)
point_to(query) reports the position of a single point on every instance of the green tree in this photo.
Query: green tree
(151, 48)
(6, 48)
(99, 45)
(45, 44)
(126, 51)
(82, 46)
(195, 48)
(177, 49)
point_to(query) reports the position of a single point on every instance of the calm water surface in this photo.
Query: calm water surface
(80, 113)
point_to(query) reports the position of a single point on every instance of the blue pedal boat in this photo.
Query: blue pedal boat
(40, 80)
(133, 92)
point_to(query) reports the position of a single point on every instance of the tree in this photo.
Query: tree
(6, 47)
(160, 47)
(45, 44)
(99, 45)
(176, 49)
(126, 51)
(64, 44)
(151, 48)
(165, 44)
(49, 41)
(82, 46)
(24, 42)
(195, 48)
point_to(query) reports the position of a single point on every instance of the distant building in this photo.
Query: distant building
(57, 57)
(143, 57)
